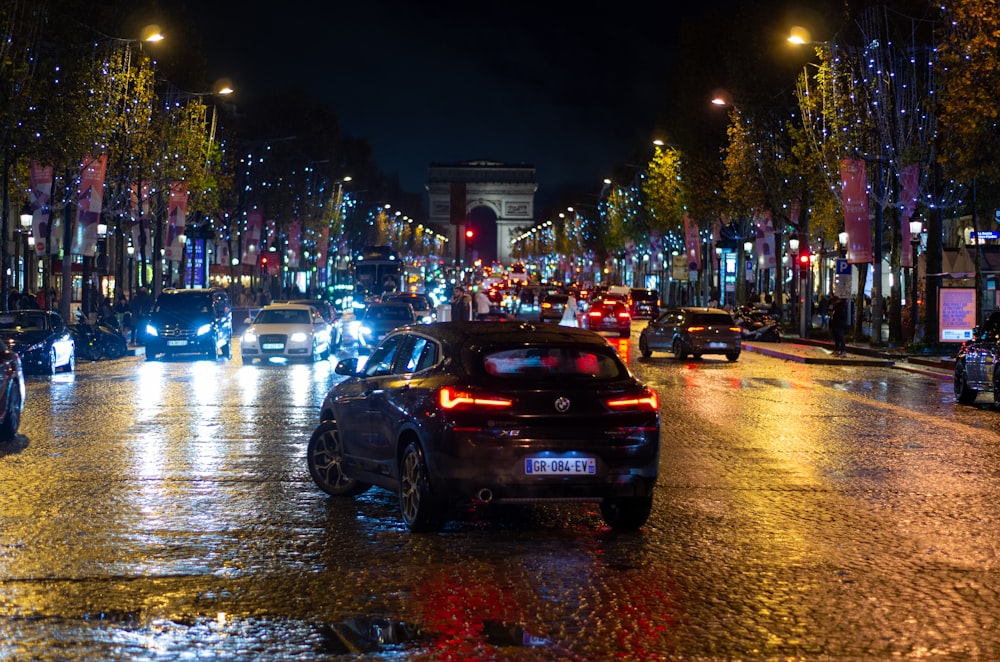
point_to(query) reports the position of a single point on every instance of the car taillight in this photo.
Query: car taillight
(594, 313)
(736, 329)
(647, 400)
(693, 329)
(624, 315)
(451, 398)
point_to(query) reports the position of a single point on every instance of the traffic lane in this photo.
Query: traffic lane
(243, 553)
(186, 521)
(810, 494)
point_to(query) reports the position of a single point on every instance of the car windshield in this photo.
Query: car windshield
(396, 313)
(418, 302)
(283, 316)
(186, 302)
(555, 362)
(22, 321)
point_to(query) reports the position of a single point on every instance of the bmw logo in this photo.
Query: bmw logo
(562, 405)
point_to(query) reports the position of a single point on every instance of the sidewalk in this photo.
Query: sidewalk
(807, 350)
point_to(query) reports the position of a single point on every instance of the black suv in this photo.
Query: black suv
(190, 322)
(645, 303)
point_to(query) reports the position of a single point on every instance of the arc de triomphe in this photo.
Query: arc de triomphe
(490, 198)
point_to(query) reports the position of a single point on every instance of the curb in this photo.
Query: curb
(819, 360)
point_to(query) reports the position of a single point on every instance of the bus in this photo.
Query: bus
(377, 270)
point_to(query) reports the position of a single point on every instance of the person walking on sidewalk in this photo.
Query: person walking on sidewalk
(838, 325)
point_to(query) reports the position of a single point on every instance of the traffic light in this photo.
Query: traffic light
(803, 263)
(263, 265)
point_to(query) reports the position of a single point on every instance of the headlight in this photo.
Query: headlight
(151, 330)
(249, 337)
(203, 329)
(298, 336)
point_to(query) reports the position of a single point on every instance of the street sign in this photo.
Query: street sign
(843, 267)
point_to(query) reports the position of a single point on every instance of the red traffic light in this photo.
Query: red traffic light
(804, 259)
(469, 234)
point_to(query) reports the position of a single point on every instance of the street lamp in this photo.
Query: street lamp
(916, 227)
(131, 268)
(20, 282)
(747, 262)
(793, 250)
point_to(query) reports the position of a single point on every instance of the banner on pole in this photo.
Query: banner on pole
(856, 219)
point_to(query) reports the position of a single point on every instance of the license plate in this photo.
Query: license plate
(177, 343)
(716, 345)
(560, 466)
(272, 345)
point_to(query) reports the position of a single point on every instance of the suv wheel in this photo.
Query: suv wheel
(963, 393)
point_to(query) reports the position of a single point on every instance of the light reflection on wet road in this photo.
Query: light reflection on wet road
(156, 510)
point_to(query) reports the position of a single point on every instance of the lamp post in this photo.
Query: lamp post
(916, 227)
(20, 281)
(131, 268)
(747, 270)
(103, 261)
(793, 250)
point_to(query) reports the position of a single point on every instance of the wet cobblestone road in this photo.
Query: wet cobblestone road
(163, 510)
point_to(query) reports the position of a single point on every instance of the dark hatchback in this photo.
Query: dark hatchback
(551, 307)
(692, 330)
(197, 321)
(977, 364)
(608, 315)
(458, 412)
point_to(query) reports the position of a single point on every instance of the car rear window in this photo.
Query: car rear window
(710, 319)
(554, 362)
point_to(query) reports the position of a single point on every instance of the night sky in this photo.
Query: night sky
(572, 92)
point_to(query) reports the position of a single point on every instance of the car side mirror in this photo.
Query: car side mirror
(347, 367)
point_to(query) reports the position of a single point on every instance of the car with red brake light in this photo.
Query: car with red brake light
(692, 331)
(454, 413)
(608, 315)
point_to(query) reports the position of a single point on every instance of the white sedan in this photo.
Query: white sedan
(283, 331)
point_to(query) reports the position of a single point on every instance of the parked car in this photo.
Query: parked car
(491, 412)
(11, 393)
(977, 364)
(551, 307)
(608, 315)
(381, 318)
(692, 330)
(198, 321)
(645, 303)
(286, 331)
(41, 338)
(329, 313)
(422, 305)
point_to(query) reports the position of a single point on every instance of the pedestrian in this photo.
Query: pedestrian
(140, 306)
(824, 311)
(569, 312)
(838, 325)
(482, 304)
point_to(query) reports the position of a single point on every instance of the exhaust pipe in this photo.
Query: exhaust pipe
(485, 495)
